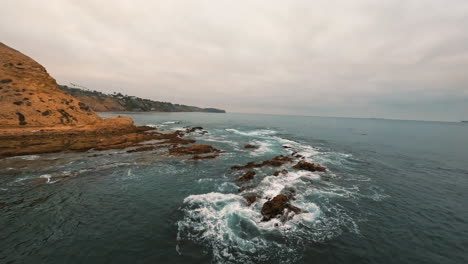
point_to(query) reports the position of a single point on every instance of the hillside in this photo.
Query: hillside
(101, 102)
(29, 96)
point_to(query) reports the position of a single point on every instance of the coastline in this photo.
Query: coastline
(41, 140)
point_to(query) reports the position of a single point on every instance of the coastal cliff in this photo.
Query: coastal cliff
(101, 102)
(30, 97)
(36, 116)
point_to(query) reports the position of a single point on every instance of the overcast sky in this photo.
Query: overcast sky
(402, 59)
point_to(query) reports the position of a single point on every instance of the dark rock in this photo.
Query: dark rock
(246, 177)
(309, 166)
(248, 146)
(250, 199)
(178, 140)
(193, 150)
(286, 147)
(193, 129)
(274, 162)
(6, 81)
(284, 172)
(277, 207)
(84, 107)
(21, 119)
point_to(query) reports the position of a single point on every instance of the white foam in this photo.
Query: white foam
(254, 133)
(263, 147)
(29, 157)
(171, 122)
(48, 177)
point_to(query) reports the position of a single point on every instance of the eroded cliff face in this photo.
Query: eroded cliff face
(29, 96)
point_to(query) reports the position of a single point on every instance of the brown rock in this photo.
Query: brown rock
(193, 129)
(310, 166)
(248, 146)
(277, 206)
(193, 150)
(178, 140)
(246, 177)
(274, 162)
(284, 172)
(51, 141)
(250, 199)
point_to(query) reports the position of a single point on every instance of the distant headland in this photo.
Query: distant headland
(101, 102)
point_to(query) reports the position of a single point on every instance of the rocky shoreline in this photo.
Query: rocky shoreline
(136, 138)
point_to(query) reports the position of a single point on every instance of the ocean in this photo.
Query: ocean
(395, 192)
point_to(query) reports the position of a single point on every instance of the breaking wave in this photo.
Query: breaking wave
(233, 231)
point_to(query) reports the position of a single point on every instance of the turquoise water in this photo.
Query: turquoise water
(395, 192)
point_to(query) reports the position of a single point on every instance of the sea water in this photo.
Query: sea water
(394, 192)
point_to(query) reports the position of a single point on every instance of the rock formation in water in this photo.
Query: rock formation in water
(274, 162)
(310, 166)
(278, 206)
(246, 177)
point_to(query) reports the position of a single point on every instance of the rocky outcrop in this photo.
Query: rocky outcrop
(193, 129)
(278, 206)
(29, 96)
(277, 161)
(193, 150)
(246, 177)
(50, 141)
(309, 166)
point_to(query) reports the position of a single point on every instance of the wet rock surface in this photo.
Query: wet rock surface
(278, 206)
(193, 150)
(248, 146)
(277, 161)
(250, 199)
(309, 166)
(247, 177)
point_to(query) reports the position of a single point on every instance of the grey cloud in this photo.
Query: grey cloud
(389, 58)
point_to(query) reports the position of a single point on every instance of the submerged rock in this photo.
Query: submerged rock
(278, 206)
(309, 166)
(193, 129)
(201, 157)
(248, 146)
(250, 199)
(144, 148)
(274, 162)
(247, 177)
(193, 150)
